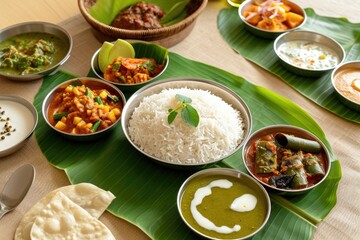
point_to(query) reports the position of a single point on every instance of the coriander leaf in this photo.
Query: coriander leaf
(183, 99)
(172, 116)
(190, 116)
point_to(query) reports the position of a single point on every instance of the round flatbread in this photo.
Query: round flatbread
(88, 196)
(63, 219)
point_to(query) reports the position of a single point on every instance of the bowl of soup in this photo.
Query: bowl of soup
(346, 82)
(286, 159)
(32, 50)
(269, 19)
(307, 53)
(223, 203)
(83, 108)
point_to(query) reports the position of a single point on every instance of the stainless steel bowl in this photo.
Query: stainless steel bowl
(124, 87)
(224, 172)
(215, 88)
(311, 37)
(290, 130)
(42, 27)
(245, 6)
(348, 89)
(23, 118)
(84, 80)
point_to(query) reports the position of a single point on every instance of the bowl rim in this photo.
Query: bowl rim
(134, 85)
(247, 2)
(280, 37)
(287, 126)
(333, 77)
(36, 75)
(225, 172)
(124, 122)
(49, 96)
(185, 22)
(32, 109)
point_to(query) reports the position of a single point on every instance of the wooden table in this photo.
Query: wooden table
(203, 44)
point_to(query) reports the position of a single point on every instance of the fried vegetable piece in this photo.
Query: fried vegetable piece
(266, 157)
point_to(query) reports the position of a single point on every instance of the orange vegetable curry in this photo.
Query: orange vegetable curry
(84, 109)
(132, 70)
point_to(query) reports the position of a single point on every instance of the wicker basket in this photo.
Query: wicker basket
(167, 36)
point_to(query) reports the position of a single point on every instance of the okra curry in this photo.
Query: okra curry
(286, 161)
(80, 109)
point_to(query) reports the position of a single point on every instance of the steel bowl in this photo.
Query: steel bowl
(215, 88)
(290, 130)
(243, 178)
(40, 27)
(257, 31)
(83, 80)
(124, 87)
(312, 37)
(351, 87)
(22, 117)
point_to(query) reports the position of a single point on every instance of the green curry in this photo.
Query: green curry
(30, 53)
(217, 207)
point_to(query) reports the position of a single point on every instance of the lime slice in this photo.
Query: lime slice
(103, 58)
(121, 48)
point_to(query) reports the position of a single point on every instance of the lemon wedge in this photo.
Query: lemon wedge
(103, 57)
(121, 48)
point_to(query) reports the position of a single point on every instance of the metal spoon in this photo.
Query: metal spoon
(16, 188)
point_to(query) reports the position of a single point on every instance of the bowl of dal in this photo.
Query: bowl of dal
(286, 159)
(83, 109)
(307, 53)
(32, 50)
(346, 82)
(159, 120)
(223, 203)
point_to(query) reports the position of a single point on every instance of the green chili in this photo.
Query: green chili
(58, 116)
(98, 100)
(95, 126)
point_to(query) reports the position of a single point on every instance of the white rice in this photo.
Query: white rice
(219, 132)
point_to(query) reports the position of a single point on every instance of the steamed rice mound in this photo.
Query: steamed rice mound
(219, 132)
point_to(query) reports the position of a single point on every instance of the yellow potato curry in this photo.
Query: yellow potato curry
(84, 109)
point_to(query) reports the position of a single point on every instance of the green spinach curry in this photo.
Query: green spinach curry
(29, 53)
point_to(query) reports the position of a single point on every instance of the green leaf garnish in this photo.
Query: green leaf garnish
(188, 112)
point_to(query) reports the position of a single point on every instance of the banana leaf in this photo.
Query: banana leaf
(260, 51)
(106, 10)
(146, 191)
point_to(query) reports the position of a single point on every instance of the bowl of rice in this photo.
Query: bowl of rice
(151, 126)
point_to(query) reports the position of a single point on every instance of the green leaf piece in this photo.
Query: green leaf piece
(150, 50)
(319, 89)
(172, 116)
(183, 99)
(190, 116)
(134, 179)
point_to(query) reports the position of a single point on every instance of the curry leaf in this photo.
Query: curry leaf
(183, 99)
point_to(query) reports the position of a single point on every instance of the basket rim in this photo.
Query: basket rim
(172, 28)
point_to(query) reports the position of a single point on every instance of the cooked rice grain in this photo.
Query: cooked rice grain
(219, 132)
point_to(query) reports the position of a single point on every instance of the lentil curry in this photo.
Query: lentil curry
(80, 109)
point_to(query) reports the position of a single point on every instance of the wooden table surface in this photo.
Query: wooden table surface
(203, 44)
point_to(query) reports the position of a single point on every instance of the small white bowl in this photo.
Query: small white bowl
(22, 116)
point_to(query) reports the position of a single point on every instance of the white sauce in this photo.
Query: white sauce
(246, 202)
(308, 55)
(21, 119)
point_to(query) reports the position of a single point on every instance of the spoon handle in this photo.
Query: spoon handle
(3, 210)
